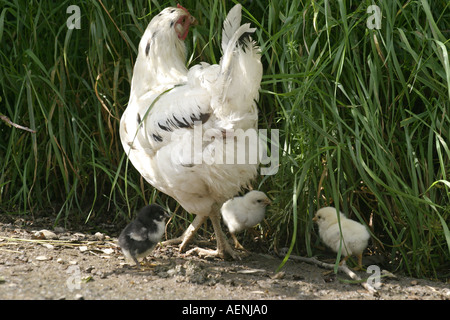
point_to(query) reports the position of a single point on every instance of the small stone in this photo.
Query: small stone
(43, 258)
(89, 269)
(44, 235)
(59, 230)
(278, 275)
(99, 236)
(108, 251)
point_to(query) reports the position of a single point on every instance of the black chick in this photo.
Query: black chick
(140, 236)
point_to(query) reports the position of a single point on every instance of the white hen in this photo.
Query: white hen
(169, 105)
(241, 213)
(354, 237)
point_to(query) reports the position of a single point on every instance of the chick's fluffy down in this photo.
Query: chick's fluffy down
(244, 212)
(355, 235)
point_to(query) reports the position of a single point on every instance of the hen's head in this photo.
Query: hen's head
(172, 21)
(162, 53)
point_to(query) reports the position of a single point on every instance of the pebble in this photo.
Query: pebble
(59, 230)
(43, 258)
(77, 236)
(89, 269)
(108, 251)
(99, 236)
(278, 275)
(44, 235)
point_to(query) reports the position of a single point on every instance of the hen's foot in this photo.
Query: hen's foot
(209, 253)
(188, 235)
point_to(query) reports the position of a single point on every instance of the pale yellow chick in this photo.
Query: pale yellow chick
(241, 213)
(354, 235)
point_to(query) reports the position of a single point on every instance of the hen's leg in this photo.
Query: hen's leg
(187, 236)
(222, 244)
(191, 231)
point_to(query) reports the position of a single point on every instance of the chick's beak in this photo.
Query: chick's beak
(267, 202)
(314, 219)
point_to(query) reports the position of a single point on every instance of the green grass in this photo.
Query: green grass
(363, 116)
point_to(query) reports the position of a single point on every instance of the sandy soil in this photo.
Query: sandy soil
(74, 265)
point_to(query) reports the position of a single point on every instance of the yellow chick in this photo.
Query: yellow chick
(241, 213)
(355, 236)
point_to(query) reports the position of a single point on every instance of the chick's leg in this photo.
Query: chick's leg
(343, 261)
(237, 244)
(223, 246)
(359, 262)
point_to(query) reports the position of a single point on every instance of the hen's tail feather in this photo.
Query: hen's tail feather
(230, 25)
(243, 30)
(238, 82)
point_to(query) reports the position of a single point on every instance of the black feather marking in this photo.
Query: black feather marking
(245, 38)
(172, 23)
(157, 138)
(138, 118)
(147, 48)
(175, 123)
(171, 123)
(130, 144)
(203, 117)
(172, 11)
(181, 124)
(165, 128)
(188, 165)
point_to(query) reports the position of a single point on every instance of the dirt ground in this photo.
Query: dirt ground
(70, 265)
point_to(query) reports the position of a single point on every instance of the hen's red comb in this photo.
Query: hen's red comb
(181, 7)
